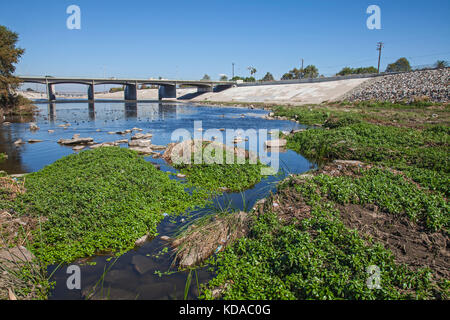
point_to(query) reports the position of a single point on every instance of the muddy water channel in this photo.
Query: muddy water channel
(136, 274)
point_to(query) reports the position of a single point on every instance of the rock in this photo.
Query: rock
(110, 293)
(121, 141)
(16, 254)
(6, 123)
(75, 141)
(165, 238)
(142, 264)
(78, 148)
(276, 143)
(422, 85)
(156, 147)
(33, 126)
(138, 136)
(181, 176)
(139, 143)
(104, 144)
(159, 291)
(136, 129)
(139, 242)
(19, 142)
(34, 141)
(51, 131)
(142, 150)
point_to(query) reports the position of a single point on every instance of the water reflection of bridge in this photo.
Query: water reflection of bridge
(163, 110)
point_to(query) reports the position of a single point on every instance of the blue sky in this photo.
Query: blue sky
(186, 39)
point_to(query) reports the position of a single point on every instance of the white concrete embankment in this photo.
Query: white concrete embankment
(295, 94)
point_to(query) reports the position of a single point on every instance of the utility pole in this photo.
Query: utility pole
(232, 71)
(301, 70)
(379, 47)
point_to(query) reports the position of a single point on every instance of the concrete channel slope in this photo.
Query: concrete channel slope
(293, 93)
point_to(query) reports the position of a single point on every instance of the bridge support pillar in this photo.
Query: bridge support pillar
(50, 92)
(131, 92)
(91, 92)
(205, 89)
(167, 91)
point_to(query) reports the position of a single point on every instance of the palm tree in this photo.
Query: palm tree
(441, 64)
(252, 71)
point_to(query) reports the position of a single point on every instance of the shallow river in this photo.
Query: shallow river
(132, 275)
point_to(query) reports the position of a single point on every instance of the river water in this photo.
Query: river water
(132, 275)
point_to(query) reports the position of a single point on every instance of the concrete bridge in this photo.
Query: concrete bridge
(167, 88)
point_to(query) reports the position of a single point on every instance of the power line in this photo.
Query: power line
(369, 59)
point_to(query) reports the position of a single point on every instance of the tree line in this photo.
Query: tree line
(311, 71)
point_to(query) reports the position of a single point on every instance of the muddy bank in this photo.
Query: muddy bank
(411, 243)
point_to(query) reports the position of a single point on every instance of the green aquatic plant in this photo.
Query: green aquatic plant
(417, 152)
(317, 257)
(100, 200)
(219, 177)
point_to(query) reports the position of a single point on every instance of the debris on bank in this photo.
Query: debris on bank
(198, 243)
(182, 152)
